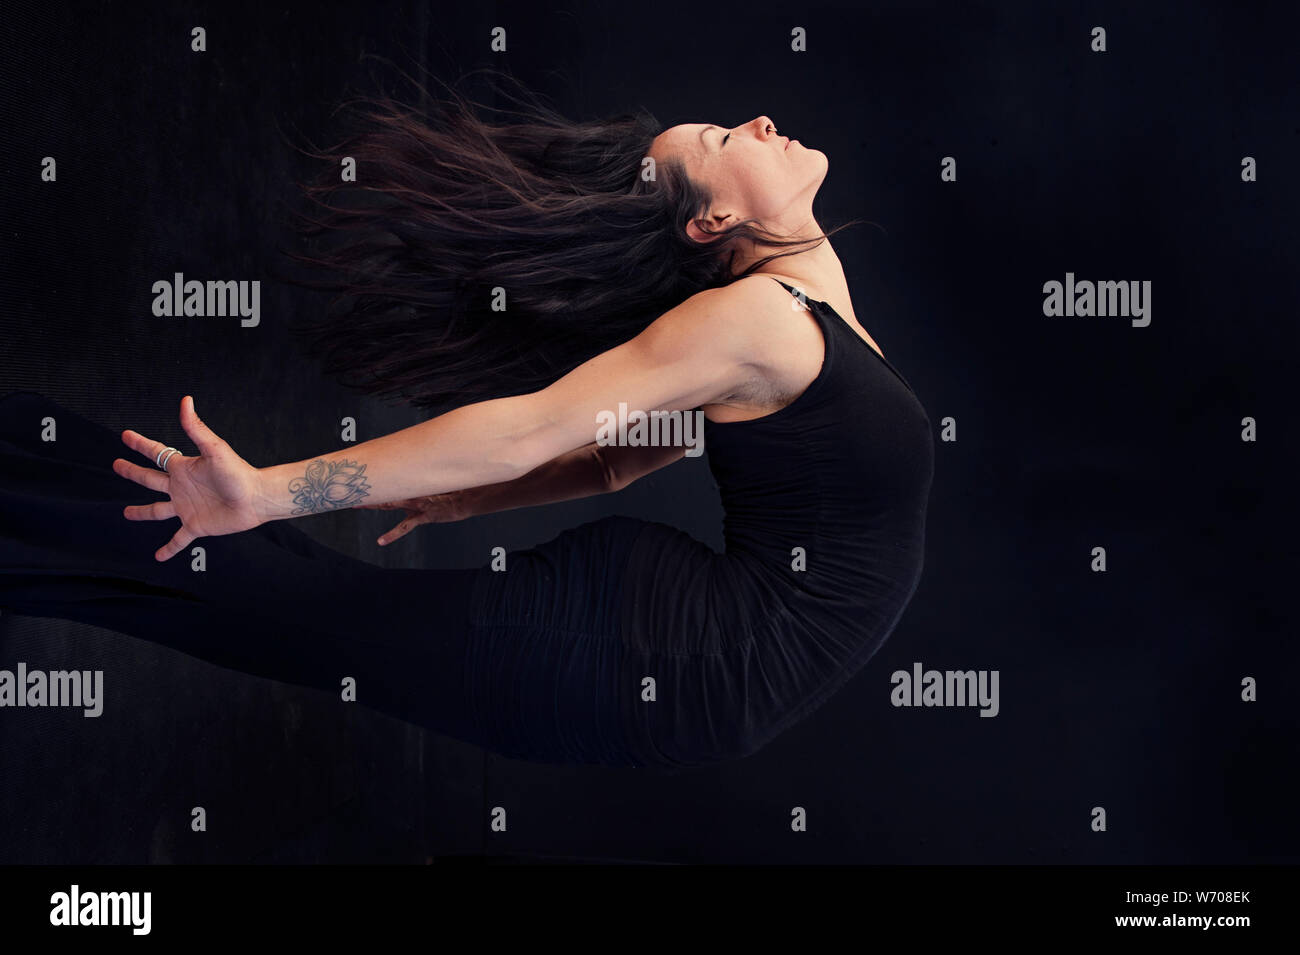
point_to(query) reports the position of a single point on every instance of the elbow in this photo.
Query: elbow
(510, 455)
(501, 469)
(499, 463)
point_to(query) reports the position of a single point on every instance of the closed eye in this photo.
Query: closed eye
(724, 140)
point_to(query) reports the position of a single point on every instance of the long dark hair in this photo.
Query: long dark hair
(455, 200)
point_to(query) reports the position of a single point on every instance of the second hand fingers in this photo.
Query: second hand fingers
(398, 531)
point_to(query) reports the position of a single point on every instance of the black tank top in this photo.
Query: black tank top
(843, 471)
(851, 456)
(825, 506)
(824, 534)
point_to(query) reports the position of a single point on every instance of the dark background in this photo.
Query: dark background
(1119, 689)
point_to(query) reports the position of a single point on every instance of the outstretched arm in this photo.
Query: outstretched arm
(693, 355)
(582, 472)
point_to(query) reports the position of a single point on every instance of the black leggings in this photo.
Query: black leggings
(274, 603)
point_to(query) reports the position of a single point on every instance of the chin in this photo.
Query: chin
(822, 164)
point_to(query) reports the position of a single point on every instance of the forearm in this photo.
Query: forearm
(579, 473)
(582, 472)
(468, 447)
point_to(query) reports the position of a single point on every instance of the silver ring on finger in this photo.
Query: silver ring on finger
(164, 456)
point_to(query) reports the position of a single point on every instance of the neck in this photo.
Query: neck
(817, 269)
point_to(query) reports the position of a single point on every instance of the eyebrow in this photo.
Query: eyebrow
(702, 132)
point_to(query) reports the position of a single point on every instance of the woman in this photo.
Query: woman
(534, 276)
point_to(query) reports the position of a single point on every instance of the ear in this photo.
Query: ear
(695, 228)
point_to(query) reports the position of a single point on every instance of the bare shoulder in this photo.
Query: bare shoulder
(749, 318)
(754, 299)
(763, 330)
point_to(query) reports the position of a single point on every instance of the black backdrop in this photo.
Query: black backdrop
(1119, 689)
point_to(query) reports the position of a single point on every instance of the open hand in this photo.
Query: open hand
(213, 494)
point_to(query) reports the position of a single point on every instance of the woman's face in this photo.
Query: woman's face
(752, 172)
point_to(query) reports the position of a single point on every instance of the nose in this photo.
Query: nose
(764, 127)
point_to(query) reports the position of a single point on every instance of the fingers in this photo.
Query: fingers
(151, 478)
(158, 511)
(180, 540)
(158, 480)
(203, 437)
(146, 446)
(400, 530)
